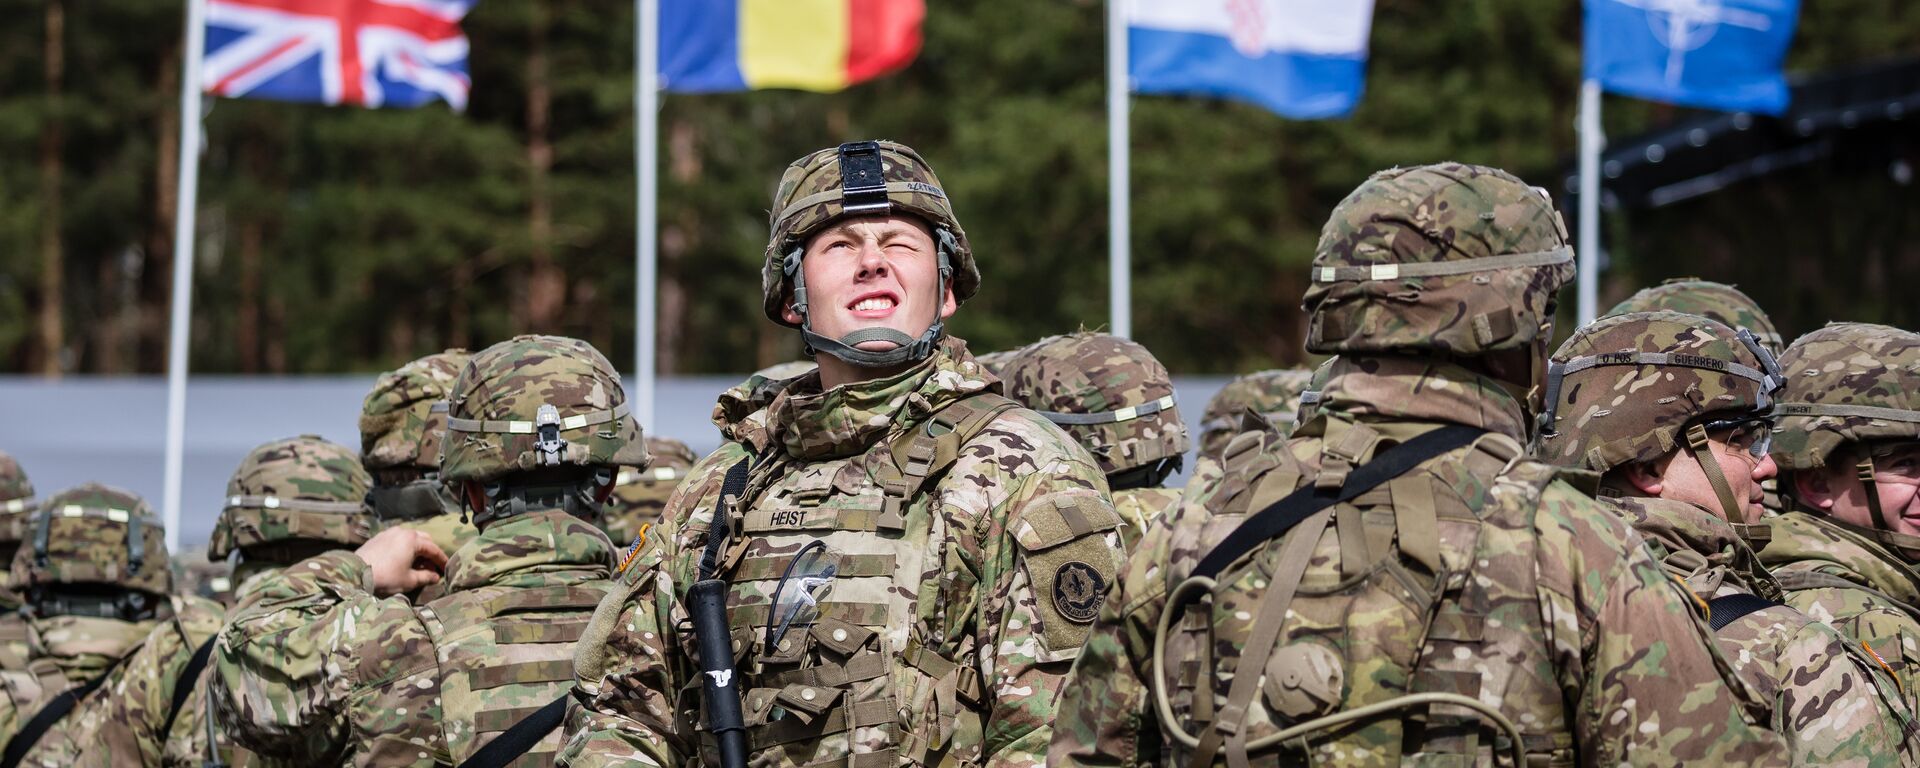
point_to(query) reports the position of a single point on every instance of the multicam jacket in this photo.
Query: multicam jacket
(1831, 700)
(67, 652)
(951, 619)
(1139, 507)
(1843, 577)
(316, 670)
(1477, 574)
(132, 719)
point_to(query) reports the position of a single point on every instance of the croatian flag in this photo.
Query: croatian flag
(370, 53)
(809, 45)
(1717, 54)
(1299, 58)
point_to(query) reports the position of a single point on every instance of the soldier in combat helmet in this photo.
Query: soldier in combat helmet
(16, 507)
(402, 422)
(1115, 397)
(639, 493)
(909, 560)
(288, 500)
(1396, 584)
(328, 664)
(1675, 412)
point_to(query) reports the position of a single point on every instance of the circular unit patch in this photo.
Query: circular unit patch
(1078, 590)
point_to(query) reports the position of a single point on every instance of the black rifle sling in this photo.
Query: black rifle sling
(1727, 609)
(184, 684)
(50, 715)
(516, 740)
(1281, 516)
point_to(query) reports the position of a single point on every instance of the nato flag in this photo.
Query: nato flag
(1717, 54)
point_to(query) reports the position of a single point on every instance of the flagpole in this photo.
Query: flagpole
(1591, 142)
(1119, 182)
(187, 201)
(646, 105)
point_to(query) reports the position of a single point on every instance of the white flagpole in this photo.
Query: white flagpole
(1119, 204)
(646, 137)
(187, 201)
(1591, 142)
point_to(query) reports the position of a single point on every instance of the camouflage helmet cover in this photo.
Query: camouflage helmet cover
(1625, 388)
(401, 423)
(298, 489)
(809, 199)
(538, 401)
(1717, 301)
(1274, 394)
(16, 498)
(1109, 393)
(96, 535)
(1449, 259)
(640, 493)
(996, 362)
(1847, 383)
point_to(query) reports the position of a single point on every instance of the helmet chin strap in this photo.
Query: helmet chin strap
(906, 349)
(1702, 453)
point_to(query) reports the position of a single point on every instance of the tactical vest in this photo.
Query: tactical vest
(1387, 606)
(505, 653)
(860, 684)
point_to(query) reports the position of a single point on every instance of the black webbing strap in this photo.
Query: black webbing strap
(1727, 609)
(49, 716)
(184, 684)
(516, 740)
(730, 489)
(1281, 516)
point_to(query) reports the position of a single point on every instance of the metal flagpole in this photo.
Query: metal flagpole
(183, 226)
(1119, 276)
(646, 137)
(1591, 142)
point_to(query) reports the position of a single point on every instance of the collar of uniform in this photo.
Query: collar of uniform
(1800, 537)
(1678, 525)
(741, 412)
(1421, 389)
(530, 549)
(849, 419)
(84, 646)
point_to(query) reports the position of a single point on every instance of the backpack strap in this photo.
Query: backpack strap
(1727, 609)
(50, 715)
(927, 450)
(519, 738)
(184, 684)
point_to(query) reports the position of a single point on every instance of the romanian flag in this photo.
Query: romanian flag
(810, 45)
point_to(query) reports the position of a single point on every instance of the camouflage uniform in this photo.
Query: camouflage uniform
(95, 578)
(970, 543)
(1500, 598)
(315, 668)
(1849, 384)
(1273, 395)
(640, 493)
(1829, 699)
(288, 499)
(996, 362)
(16, 506)
(402, 423)
(1113, 396)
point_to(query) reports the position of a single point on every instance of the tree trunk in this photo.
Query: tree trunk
(546, 283)
(153, 292)
(247, 331)
(52, 279)
(683, 163)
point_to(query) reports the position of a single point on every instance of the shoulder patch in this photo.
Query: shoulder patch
(1078, 590)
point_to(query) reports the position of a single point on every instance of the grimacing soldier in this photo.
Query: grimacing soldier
(1674, 411)
(911, 560)
(1410, 588)
(1848, 440)
(94, 579)
(639, 493)
(327, 662)
(16, 507)
(1115, 397)
(288, 500)
(402, 423)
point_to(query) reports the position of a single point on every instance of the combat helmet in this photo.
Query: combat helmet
(1848, 383)
(640, 493)
(861, 178)
(1274, 395)
(1633, 388)
(996, 362)
(16, 506)
(292, 499)
(1716, 301)
(546, 413)
(94, 550)
(1447, 260)
(1112, 396)
(402, 422)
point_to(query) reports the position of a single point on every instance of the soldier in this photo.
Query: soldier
(326, 664)
(95, 580)
(996, 362)
(1675, 412)
(288, 500)
(640, 493)
(914, 559)
(1113, 396)
(1849, 441)
(1397, 584)
(1272, 395)
(1715, 301)
(16, 507)
(402, 423)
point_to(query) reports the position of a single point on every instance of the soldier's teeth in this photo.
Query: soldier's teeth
(872, 304)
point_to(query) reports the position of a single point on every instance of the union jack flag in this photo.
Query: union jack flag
(373, 53)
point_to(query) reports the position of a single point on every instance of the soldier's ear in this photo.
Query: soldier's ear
(1645, 477)
(1815, 488)
(474, 496)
